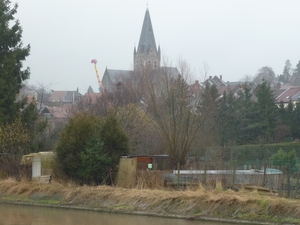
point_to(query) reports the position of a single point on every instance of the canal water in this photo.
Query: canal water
(33, 215)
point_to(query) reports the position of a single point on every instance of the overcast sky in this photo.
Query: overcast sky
(233, 37)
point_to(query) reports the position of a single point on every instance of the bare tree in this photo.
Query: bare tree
(169, 102)
(205, 70)
(265, 74)
(140, 128)
(247, 78)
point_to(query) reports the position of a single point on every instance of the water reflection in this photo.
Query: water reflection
(32, 215)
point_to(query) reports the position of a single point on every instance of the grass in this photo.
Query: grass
(191, 203)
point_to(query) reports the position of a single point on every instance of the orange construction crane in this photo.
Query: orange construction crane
(101, 88)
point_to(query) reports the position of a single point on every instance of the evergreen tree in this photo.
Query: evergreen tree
(297, 70)
(295, 122)
(282, 114)
(209, 108)
(287, 71)
(289, 114)
(73, 140)
(244, 115)
(265, 113)
(115, 140)
(95, 165)
(283, 130)
(226, 120)
(12, 54)
(89, 148)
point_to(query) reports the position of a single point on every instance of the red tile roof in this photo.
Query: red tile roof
(287, 95)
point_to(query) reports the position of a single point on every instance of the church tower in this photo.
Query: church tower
(146, 55)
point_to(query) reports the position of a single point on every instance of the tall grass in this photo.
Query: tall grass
(150, 179)
(192, 202)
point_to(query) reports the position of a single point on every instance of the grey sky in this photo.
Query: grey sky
(234, 37)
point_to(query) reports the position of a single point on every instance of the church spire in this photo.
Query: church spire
(147, 40)
(147, 53)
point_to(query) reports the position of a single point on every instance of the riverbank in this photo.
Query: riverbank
(199, 203)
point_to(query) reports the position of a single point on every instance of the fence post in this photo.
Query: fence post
(288, 171)
(297, 183)
(205, 169)
(178, 175)
(282, 179)
(233, 175)
(265, 175)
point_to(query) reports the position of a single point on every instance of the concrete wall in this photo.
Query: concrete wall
(127, 173)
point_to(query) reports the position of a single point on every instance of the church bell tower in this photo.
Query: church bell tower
(146, 55)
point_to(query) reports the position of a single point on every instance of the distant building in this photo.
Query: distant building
(146, 55)
(27, 92)
(65, 97)
(290, 94)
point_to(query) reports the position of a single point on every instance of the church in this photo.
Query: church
(146, 55)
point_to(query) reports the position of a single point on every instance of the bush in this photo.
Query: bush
(73, 140)
(115, 140)
(89, 148)
(285, 159)
(95, 164)
(14, 139)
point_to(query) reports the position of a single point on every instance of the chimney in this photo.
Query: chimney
(220, 77)
(210, 77)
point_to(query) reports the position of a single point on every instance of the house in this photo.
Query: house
(291, 94)
(65, 97)
(27, 92)
(64, 111)
(57, 116)
(217, 81)
(91, 98)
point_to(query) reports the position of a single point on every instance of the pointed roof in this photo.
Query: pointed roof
(147, 40)
(90, 90)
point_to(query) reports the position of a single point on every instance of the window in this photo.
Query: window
(47, 115)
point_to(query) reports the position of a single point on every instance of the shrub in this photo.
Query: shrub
(73, 140)
(95, 164)
(89, 148)
(115, 140)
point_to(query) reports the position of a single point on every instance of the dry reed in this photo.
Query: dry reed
(190, 202)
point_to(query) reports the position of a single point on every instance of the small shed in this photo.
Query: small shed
(42, 165)
(153, 162)
(130, 165)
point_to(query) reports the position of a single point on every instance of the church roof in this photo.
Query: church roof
(172, 72)
(118, 75)
(90, 90)
(147, 40)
